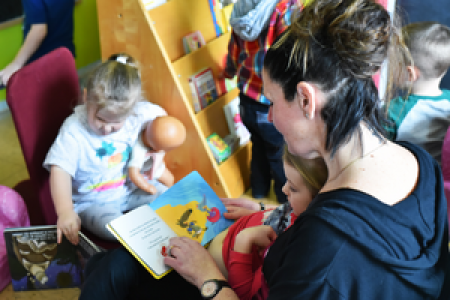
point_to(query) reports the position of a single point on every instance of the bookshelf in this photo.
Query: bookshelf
(154, 38)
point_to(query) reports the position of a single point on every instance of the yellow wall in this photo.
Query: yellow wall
(86, 38)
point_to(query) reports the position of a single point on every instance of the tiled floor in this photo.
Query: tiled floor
(12, 171)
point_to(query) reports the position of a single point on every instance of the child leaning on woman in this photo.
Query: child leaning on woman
(88, 160)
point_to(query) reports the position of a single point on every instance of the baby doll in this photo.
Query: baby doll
(147, 158)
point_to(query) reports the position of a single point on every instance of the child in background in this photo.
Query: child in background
(239, 251)
(88, 160)
(48, 24)
(424, 116)
(255, 26)
(413, 11)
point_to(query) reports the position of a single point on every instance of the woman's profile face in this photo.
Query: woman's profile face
(288, 118)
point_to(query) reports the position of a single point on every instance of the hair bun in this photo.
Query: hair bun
(358, 31)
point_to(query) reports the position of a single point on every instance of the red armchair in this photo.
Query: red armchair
(41, 96)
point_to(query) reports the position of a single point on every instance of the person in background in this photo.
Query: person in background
(413, 11)
(255, 25)
(89, 158)
(423, 116)
(48, 24)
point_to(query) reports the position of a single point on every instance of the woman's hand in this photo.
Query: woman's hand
(239, 207)
(260, 236)
(192, 261)
(69, 224)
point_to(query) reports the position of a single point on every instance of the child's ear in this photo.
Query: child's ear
(413, 73)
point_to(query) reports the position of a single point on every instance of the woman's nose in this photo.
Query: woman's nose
(270, 114)
(284, 189)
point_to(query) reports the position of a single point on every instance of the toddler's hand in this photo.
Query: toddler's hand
(69, 224)
(260, 236)
(239, 207)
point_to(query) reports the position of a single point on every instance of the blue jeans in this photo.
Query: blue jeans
(267, 149)
(117, 275)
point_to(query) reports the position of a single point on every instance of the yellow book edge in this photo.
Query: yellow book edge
(119, 238)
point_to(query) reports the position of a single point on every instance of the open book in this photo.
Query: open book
(189, 208)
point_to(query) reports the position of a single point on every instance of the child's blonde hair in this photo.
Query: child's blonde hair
(313, 171)
(429, 45)
(115, 84)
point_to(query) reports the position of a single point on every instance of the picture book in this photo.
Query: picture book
(219, 148)
(37, 262)
(234, 121)
(149, 4)
(195, 98)
(193, 41)
(213, 7)
(203, 89)
(189, 208)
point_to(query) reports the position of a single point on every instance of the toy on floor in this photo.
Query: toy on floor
(147, 158)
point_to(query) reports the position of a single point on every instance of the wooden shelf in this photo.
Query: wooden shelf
(154, 39)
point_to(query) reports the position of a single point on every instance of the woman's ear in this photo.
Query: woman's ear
(306, 99)
(413, 73)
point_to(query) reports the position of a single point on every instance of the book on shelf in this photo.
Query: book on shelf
(220, 149)
(189, 208)
(37, 262)
(203, 89)
(193, 41)
(234, 121)
(149, 4)
(214, 7)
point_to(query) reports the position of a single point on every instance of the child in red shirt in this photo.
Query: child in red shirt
(244, 244)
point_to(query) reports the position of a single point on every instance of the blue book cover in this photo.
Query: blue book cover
(191, 208)
(213, 14)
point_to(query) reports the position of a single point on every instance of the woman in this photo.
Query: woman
(377, 229)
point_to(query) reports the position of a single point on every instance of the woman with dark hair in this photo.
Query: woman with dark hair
(378, 227)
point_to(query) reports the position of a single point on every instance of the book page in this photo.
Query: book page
(192, 209)
(144, 234)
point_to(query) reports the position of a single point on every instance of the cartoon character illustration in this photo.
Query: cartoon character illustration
(195, 230)
(213, 213)
(35, 256)
(184, 218)
(38, 262)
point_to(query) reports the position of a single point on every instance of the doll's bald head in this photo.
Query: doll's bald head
(164, 133)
